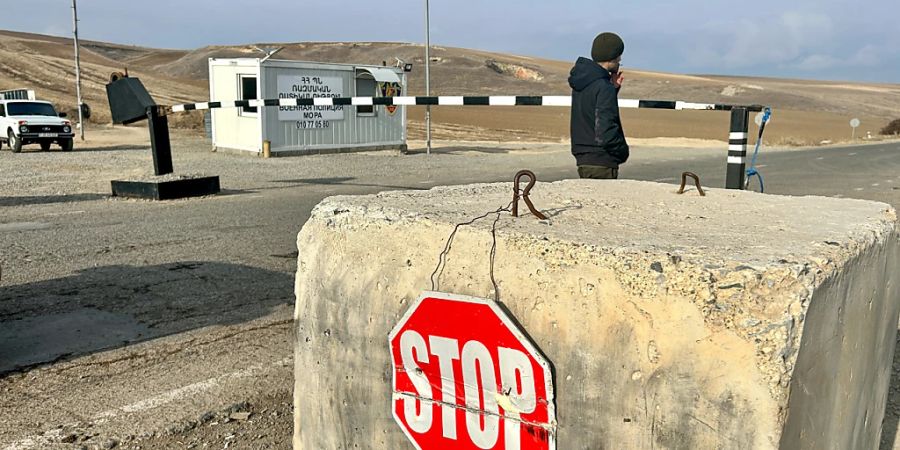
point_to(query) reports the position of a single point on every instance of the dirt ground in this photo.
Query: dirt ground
(167, 325)
(138, 325)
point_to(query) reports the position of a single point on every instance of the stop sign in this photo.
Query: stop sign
(465, 377)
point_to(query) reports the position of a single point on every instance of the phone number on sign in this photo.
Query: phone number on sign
(310, 124)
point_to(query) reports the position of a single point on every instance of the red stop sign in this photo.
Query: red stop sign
(465, 377)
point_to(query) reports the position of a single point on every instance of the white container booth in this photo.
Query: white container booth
(298, 130)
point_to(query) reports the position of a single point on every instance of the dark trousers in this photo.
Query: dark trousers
(598, 172)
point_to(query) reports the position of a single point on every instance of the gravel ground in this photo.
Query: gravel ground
(147, 322)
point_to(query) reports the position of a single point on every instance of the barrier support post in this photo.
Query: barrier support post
(159, 141)
(737, 148)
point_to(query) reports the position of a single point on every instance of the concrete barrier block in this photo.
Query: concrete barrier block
(735, 320)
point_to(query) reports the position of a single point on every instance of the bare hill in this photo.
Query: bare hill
(45, 63)
(464, 71)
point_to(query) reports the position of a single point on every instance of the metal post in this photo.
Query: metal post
(159, 141)
(737, 148)
(77, 68)
(427, 78)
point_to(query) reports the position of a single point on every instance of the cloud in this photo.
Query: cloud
(870, 55)
(809, 38)
(775, 40)
(866, 57)
(815, 63)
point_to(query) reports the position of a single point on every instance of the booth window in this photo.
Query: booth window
(367, 79)
(365, 87)
(248, 92)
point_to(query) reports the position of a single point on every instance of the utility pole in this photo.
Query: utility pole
(427, 78)
(77, 68)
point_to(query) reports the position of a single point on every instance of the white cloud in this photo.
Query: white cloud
(791, 36)
(818, 38)
(806, 27)
(815, 63)
(869, 56)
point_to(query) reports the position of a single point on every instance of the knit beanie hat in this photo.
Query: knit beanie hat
(607, 47)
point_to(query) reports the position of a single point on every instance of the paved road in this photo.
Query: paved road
(120, 318)
(867, 172)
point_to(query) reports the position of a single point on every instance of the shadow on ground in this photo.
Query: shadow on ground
(339, 181)
(111, 148)
(85, 149)
(110, 307)
(459, 149)
(49, 199)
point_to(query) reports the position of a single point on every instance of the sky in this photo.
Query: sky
(814, 39)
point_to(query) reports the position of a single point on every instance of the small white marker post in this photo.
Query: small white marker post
(854, 124)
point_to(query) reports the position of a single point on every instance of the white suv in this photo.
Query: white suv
(24, 122)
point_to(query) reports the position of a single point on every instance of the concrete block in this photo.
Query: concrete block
(735, 320)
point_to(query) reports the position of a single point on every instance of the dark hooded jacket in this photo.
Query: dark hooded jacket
(597, 136)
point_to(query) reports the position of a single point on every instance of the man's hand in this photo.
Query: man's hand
(617, 79)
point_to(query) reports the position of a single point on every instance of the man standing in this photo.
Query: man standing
(598, 142)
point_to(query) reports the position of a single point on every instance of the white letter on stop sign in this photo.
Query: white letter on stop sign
(475, 353)
(446, 350)
(519, 393)
(409, 341)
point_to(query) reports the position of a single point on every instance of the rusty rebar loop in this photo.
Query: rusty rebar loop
(515, 203)
(684, 177)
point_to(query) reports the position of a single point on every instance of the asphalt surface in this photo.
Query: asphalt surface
(120, 319)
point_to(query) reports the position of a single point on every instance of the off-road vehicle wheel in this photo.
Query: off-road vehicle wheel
(14, 142)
